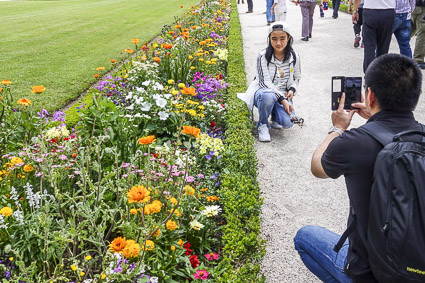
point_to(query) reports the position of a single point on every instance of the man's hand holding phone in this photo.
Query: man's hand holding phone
(362, 110)
(342, 118)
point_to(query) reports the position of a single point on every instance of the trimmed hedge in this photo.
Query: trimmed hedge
(240, 194)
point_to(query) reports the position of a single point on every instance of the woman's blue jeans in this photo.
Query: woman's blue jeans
(270, 17)
(401, 30)
(315, 245)
(266, 102)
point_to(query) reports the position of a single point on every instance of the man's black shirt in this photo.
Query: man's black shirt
(353, 155)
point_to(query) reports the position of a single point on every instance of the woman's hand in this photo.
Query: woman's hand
(290, 95)
(287, 106)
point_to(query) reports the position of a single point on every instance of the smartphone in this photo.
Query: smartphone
(352, 86)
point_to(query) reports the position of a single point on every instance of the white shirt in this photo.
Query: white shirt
(379, 4)
(280, 6)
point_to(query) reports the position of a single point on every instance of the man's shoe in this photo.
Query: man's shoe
(334, 17)
(304, 39)
(421, 65)
(309, 36)
(276, 125)
(268, 23)
(357, 40)
(362, 45)
(249, 12)
(263, 133)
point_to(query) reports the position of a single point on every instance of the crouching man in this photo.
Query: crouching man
(392, 88)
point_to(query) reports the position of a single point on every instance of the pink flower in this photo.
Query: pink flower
(211, 256)
(63, 157)
(201, 274)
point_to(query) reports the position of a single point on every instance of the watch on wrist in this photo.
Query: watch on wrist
(335, 129)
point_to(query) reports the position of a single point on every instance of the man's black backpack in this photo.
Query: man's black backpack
(395, 238)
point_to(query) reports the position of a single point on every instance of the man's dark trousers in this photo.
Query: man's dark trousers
(335, 5)
(250, 5)
(377, 31)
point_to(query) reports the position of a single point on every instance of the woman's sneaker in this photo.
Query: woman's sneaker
(357, 40)
(276, 125)
(263, 133)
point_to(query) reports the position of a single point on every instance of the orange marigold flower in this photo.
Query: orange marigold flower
(138, 194)
(117, 245)
(132, 249)
(156, 234)
(6, 82)
(149, 245)
(202, 42)
(185, 30)
(38, 89)
(189, 130)
(1, 90)
(167, 46)
(113, 61)
(28, 168)
(189, 91)
(147, 140)
(178, 26)
(128, 50)
(180, 242)
(171, 225)
(100, 68)
(156, 59)
(24, 102)
(16, 160)
(171, 32)
(135, 40)
(181, 6)
(194, 27)
(96, 75)
(6, 211)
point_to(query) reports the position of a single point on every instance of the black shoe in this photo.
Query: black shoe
(268, 23)
(309, 36)
(335, 17)
(304, 39)
(249, 12)
(422, 66)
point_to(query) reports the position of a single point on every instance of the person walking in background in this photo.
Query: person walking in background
(378, 21)
(307, 11)
(239, 1)
(250, 6)
(279, 9)
(418, 28)
(278, 74)
(335, 5)
(357, 26)
(269, 15)
(401, 28)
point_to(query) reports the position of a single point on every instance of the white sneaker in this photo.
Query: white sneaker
(263, 133)
(276, 125)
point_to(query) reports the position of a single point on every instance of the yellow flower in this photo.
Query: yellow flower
(172, 248)
(102, 276)
(128, 50)
(192, 67)
(28, 168)
(180, 242)
(201, 59)
(190, 57)
(82, 273)
(73, 267)
(171, 225)
(155, 45)
(156, 234)
(138, 194)
(176, 212)
(135, 40)
(170, 82)
(117, 245)
(147, 140)
(6, 82)
(6, 211)
(181, 85)
(149, 245)
(173, 201)
(100, 68)
(133, 211)
(24, 102)
(11, 258)
(189, 190)
(16, 160)
(38, 89)
(88, 257)
(132, 249)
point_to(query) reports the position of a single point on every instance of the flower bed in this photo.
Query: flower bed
(155, 182)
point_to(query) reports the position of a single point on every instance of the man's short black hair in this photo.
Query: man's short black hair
(396, 81)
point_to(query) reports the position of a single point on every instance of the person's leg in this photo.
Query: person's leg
(385, 28)
(264, 100)
(315, 246)
(312, 6)
(401, 31)
(370, 35)
(335, 4)
(280, 116)
(281, 17)
(419, 52)
(250, 5)
(305, 10)
(269, 11)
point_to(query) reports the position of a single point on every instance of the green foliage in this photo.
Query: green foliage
(240, 194)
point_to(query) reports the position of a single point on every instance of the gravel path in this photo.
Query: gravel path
(293, 197)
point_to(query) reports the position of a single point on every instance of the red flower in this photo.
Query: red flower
(212, 124)
(194, 261)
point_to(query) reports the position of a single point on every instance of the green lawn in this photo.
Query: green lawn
(59, 44)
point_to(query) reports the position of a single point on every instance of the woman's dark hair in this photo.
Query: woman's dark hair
(286, 52)
(396, 81)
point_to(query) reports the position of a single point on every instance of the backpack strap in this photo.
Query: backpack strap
(379, 132)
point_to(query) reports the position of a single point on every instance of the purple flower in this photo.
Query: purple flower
(208, 157)
(200, 176)
(7, 274)
(59, 116)
(214, 176)
(43, 114)
(63, 157)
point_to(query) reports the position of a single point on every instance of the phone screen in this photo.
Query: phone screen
(337, 89)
